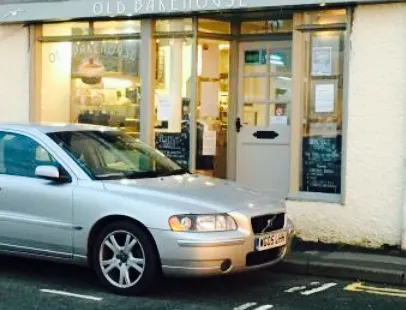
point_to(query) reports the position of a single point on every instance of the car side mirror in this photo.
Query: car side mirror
(49, 173)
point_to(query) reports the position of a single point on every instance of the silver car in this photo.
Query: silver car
(96, 196)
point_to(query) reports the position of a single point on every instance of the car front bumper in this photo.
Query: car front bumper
(196, 254)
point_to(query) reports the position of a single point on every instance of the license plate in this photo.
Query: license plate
(271, 240)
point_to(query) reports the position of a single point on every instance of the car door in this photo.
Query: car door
(35, 214)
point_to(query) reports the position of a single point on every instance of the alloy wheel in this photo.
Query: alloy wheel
(122, 259)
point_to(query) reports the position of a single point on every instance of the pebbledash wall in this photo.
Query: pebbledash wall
(372, 212)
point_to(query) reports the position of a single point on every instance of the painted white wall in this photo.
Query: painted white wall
(14, 73)
(56, 82)
(372, 212)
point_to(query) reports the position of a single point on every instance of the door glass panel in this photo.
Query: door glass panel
(255, 89)
(281, 90)
(255, 114)
(280, 61)
(255, 61)
(212, 109)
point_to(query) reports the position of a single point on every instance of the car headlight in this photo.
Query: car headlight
(202, 223)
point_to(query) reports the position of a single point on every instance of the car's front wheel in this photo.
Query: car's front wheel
(125, 259)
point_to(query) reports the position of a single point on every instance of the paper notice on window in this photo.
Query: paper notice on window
(209, 143)
(164, 109)
(321, 60)
(279, 120)
(209, 99)
(324, 98)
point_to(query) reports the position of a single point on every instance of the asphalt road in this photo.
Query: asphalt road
(32, 285)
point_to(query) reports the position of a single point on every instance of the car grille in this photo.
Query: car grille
(259, 258)
(267, 223)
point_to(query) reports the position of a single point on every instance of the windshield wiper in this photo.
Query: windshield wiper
(141, 174)
(110, 176)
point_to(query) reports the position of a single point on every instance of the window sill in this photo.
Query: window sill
(316, 197)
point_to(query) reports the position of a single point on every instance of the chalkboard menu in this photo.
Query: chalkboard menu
(321, 171)
(175, 146)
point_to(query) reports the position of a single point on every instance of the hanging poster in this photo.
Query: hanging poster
(209, 99)
(209, 143)
(321, 60)
(164, 109)
(324, 98)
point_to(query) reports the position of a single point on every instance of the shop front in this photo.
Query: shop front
(267, 93)
(214, 93)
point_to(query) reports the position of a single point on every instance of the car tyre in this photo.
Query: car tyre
(125, 259)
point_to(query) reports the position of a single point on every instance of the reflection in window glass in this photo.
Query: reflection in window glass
(66, 29)
(117, 27)
(266, 26)
(174, 25)
(93, 82)
(20, 155)
(214, 26)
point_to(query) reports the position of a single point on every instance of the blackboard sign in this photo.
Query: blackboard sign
(321, 158)
(175, 146)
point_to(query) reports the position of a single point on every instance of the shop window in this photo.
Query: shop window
(92, 82)
(117, 27)
(173, 97)
(325, 17)
(212, 107)
(266, 26)
(66, 29)
(174, 25)
(214, 26)
(321, 153)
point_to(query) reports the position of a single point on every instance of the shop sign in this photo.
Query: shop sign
(122, 7)
(112, 49)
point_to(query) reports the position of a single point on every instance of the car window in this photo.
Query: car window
(114, 155)
(21, 155)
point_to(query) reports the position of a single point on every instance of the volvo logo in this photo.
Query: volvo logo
(269, 224)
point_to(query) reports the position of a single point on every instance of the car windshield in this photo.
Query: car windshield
(114, 155)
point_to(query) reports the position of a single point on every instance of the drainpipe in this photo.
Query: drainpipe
(403, 244)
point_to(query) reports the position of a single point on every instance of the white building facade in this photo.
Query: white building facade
(302, 98)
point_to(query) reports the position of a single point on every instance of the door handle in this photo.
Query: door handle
(238, 124)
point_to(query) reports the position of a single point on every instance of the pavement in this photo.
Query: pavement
(34, 285)
(357, 265)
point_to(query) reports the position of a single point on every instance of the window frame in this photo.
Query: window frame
(298, 107)
(69, 173)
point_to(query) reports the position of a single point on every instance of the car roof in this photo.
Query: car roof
(51, 127)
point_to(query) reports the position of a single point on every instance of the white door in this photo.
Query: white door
(263, 139)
